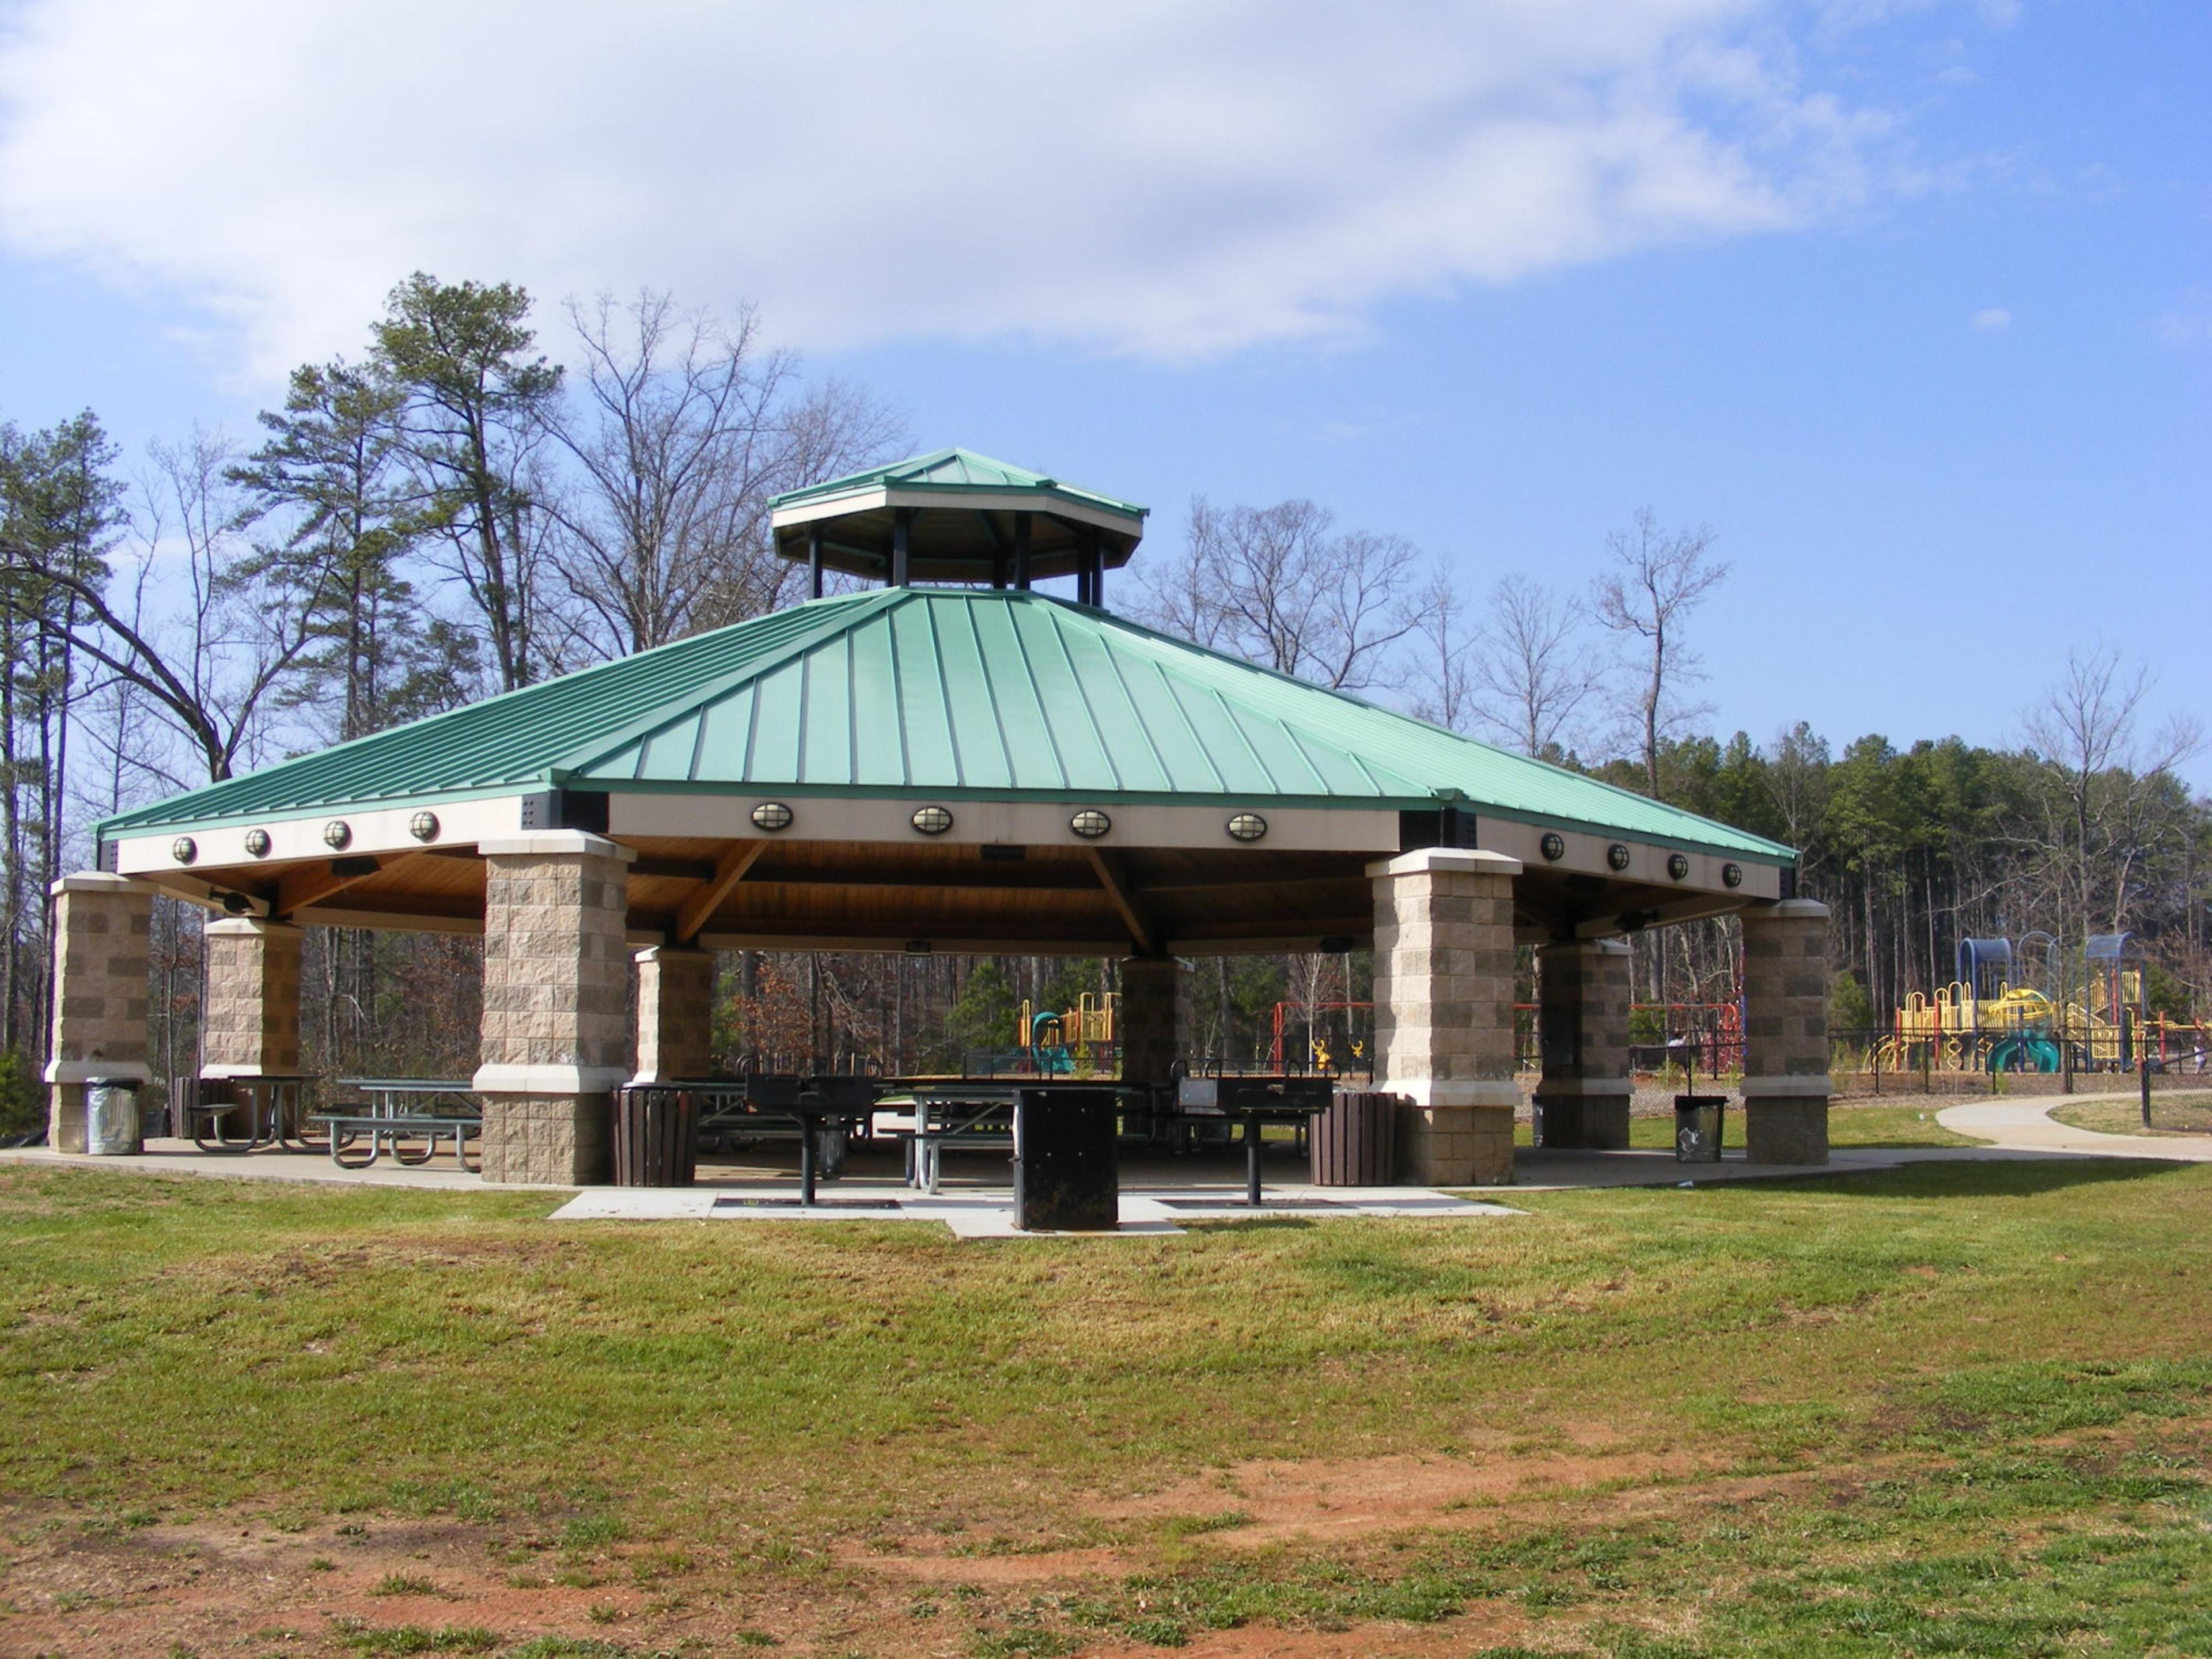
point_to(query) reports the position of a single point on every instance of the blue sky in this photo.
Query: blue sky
(1912, 303)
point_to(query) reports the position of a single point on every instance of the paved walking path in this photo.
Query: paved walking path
(2027, 1126)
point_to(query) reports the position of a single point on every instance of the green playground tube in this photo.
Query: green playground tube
(2025, 1054)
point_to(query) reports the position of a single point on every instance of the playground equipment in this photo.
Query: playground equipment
(1984, 1020)
(1059, 1043)
(1323, 1036)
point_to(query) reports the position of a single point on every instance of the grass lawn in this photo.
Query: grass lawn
(1956, 1409)
(2178, 1113)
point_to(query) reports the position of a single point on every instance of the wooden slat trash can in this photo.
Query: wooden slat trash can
(1354, 1143)
(656, 1137)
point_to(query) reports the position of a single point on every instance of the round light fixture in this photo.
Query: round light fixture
(424, 826)
(1247, 826)
(1090, 823)
(257, 843)
(1554, 846)
(1617, 856)
(932, 820)
(1732, 874)
(771, 816)
(1678, 866)
(337, 834)
(183, 850)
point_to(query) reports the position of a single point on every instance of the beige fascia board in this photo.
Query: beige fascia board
(1646, 860)
(882, 820)
(876, 496)
(297, 837)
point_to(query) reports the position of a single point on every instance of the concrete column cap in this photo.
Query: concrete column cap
(248, 927)
(541, 843)
(663, 952)
(1788, 909)
(1470, 860)
(97, 881)
(547, 1079)
(91, 1070)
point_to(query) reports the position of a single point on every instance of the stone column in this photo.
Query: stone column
(102, 927)
(251, 1024)
(1444, 1012)
(1581, 1030)
(1144, 1026)
(556, 1004)
(1785, 1032)
(675, 1014)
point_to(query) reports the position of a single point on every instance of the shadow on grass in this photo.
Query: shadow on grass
(1990, 1178)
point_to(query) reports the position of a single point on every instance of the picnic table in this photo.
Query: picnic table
(930, 1114)
(395, 1109)
(265, 1106)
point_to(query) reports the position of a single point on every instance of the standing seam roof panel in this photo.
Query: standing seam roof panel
(981, 741)
(1031, 750)
(1074, 721)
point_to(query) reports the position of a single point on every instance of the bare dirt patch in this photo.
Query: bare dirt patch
(1341, 1497)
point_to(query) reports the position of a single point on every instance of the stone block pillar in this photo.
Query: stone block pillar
(251, 1024)
(555, 1004)
(1785, 1032)
(1444, 1012)
(102, 924)
(1582, 1032)
(1144, 1025)
(675, 1014)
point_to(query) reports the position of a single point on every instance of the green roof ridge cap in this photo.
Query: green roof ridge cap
(1018, 478)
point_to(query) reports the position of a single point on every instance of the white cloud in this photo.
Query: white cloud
(1175, 178)
(1993, 319)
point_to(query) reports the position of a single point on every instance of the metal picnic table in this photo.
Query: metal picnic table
(271, 1103)
(394, 1109)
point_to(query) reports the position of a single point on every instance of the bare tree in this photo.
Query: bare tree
(202, 628)
(685, 429)
(1443, 679)
(1533, 661)
(1658, 578)
(1275, 586)
(2109, 803)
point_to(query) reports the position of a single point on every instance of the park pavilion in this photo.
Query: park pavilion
(950, 761)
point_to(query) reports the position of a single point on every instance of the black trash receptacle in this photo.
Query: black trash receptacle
(1354, 1142)
(656, 1137)
(1067, 1171)
(1697, 1127)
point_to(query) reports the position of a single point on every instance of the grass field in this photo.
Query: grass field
(1955, 1408)
(2181, 1113)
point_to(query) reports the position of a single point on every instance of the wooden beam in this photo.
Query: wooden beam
(297, 888)
(1141, 932)
(692, 916)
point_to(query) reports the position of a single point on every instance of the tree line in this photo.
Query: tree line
(452, 513)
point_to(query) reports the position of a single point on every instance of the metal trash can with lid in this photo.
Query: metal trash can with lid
(113, 1127)
(1697, 1127)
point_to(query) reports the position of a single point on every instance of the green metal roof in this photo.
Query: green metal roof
(951, 470)
(947, 693)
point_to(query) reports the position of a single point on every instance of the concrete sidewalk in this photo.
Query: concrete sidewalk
(2025, 1125)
